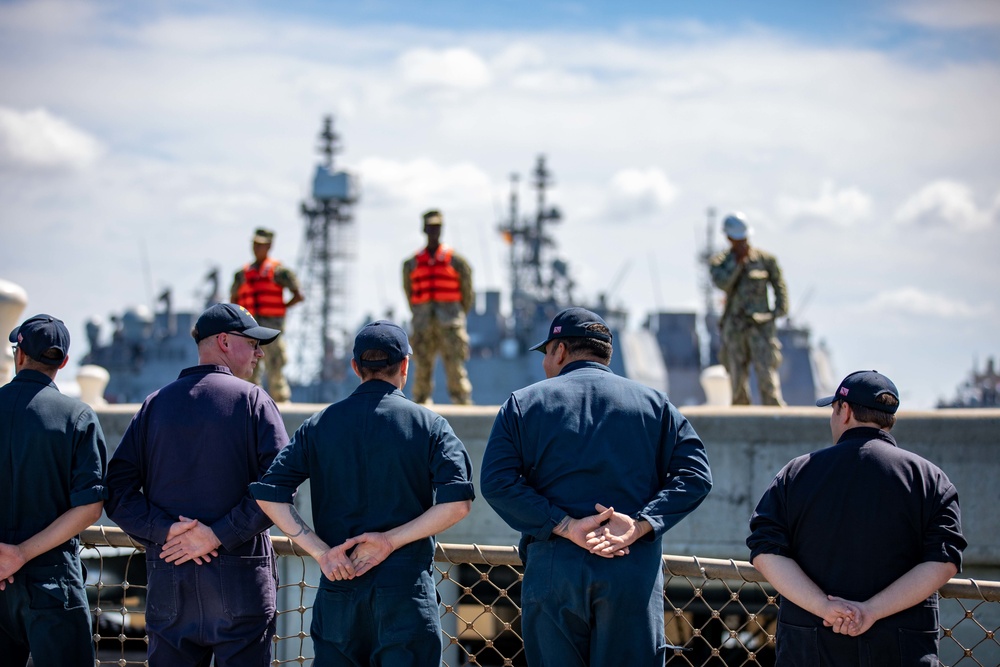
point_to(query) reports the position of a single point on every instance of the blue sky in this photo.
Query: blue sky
(148, 139)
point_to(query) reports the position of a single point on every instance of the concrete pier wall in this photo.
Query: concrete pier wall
(746, 447)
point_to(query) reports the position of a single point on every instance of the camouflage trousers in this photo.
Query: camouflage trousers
(451, 341)
(746, 343)
(270, 371)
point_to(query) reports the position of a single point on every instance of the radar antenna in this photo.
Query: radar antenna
(325, 261)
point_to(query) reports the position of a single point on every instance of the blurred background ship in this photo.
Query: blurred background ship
(146, 347)
(981, 389)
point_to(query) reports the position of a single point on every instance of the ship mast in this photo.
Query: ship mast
(326, 258)
(711, 341)
(537, 283)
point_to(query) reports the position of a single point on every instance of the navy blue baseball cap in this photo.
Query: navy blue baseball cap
(39, 334)
(573, 323)
(385, 336)
(862, 388)
(228, 317)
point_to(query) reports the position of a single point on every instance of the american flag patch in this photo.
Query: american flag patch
(556, 330)
(843, 391)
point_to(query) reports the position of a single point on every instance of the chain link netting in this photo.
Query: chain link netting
(717, 612)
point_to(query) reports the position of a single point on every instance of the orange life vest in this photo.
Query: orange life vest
(434, 278)
(259, 293)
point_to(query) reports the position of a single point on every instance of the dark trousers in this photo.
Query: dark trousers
(906, 639)
(225, 609)
(44, 612)
(579, 609)
(388, 617)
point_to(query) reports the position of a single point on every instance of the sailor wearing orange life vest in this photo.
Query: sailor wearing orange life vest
(438, 286)
(260, 288)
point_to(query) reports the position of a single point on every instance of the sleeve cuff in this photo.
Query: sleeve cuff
(88, 496)
(278, 494)
(655, 524)
(226, 534)
(545, 531)
(946, 554)
(447, 493)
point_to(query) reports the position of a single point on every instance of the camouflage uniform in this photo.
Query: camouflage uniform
(748, 324)
(275, 354)
(439, 327)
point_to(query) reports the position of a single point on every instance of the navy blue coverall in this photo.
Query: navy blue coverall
(855, 517)
(558, 447)
(52, 459)
(375, 461)
(192, 450)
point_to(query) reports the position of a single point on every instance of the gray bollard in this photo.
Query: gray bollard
(13, 299)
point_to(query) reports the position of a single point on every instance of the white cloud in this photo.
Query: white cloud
(417, 183)
(639, 193)
(912, 301)
(457, 69)
(845, 207)
(954, 14)
(519, 56)
(944, 203)
(39, 140)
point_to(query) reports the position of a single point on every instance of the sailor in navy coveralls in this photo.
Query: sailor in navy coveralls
(178, 483)
(51, 488)
(857, 538)
(584, 441)
(385, 476)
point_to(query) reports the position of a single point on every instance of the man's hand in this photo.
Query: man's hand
(372, 549)
(577, 530)
(198, 543)
(179, 527)
(11, 561)
(858, 622)
(842, 616)
(741, 249)
(335, 563)
(615, 536)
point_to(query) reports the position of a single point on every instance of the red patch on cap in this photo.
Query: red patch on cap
(556, 330)
(843, 391)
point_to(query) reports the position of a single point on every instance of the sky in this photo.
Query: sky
(141, 144)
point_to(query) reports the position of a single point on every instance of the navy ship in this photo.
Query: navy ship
(980, 389)
(146, 348)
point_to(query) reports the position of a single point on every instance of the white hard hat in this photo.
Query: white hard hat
(735, 226)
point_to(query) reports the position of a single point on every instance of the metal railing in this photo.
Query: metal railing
(722, 612)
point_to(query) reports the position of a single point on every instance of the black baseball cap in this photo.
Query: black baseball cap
(39, 334)
(385, 336)
(862, 388)
(226, 317)
(573, 323)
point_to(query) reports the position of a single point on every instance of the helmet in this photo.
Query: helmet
(735, 226)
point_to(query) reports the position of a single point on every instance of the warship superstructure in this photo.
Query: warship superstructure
(669, 351)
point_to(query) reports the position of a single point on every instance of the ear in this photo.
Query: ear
(561, 353)
(64, 362)
(354, 367)
(404, 365)
(845, 413)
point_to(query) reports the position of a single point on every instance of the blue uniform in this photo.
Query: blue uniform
(192, 450)
(856, 517)
(558, 447)
(375, 461)
(53, 458)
